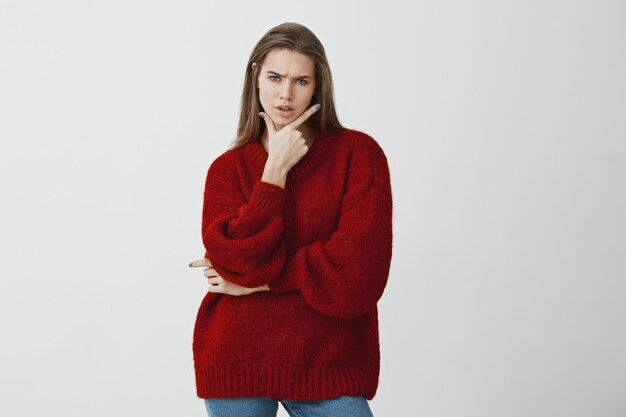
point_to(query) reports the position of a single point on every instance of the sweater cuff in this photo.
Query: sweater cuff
(269, 197)
(285, 283)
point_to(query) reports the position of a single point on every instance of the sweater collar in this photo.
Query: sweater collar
(306, 164)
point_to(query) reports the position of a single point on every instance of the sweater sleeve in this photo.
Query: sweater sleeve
(345, 275)
(242, 236)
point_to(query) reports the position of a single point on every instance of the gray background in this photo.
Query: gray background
(504, 127)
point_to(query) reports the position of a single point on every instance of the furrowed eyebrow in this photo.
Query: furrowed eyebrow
(282, 75)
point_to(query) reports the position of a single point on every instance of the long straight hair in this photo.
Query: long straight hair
(296, 38)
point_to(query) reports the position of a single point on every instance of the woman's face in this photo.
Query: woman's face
(287, 79)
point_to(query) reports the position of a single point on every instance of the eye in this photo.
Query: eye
(270, 77)
(305, 81)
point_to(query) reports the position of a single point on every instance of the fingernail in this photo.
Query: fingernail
(190, 264)
(318, 106)
(262, 116)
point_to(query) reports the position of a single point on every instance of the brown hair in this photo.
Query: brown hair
(296, 38)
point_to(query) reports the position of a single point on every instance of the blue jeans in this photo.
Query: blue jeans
(267, 407)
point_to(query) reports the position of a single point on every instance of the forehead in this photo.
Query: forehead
(288, 62)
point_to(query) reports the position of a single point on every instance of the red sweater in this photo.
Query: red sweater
(323, 245)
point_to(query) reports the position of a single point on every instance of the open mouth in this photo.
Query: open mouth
(284, 111)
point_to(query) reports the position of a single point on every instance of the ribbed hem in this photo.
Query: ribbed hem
(285, 383)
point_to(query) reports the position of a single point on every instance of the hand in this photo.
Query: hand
(217, 284)
(287, 145)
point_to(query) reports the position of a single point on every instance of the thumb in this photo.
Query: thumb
(268, 122)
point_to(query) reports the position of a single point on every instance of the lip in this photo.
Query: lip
(284, 113)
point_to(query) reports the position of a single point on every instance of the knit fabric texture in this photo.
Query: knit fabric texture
(323, 244)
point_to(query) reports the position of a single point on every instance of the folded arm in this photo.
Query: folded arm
(242, 236)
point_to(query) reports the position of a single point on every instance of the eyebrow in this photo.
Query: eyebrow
(283, 75)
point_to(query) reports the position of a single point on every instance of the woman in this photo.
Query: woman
(297, 227)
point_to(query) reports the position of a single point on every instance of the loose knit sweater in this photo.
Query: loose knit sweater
(323, 245)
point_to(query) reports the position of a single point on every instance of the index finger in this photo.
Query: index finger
(304, 116)
(200, 262)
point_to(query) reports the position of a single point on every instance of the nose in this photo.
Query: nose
(285, 93)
